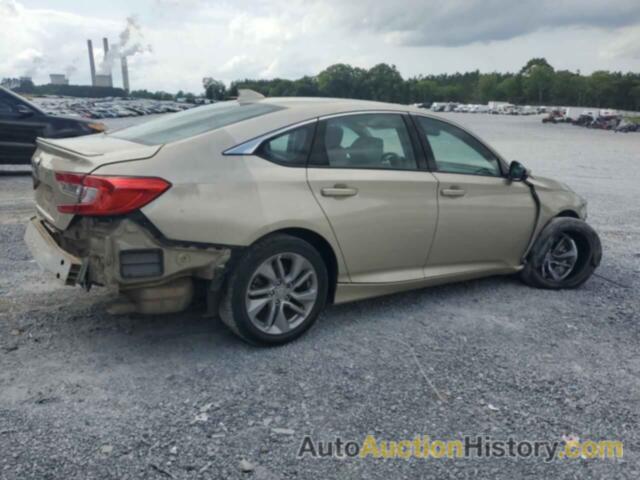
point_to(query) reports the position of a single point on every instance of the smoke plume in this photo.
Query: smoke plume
(131, 43)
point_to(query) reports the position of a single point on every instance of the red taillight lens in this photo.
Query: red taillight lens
(105, 195)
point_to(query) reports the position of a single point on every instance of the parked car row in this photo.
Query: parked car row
(601, 120)
(495, 108)
(106, 107)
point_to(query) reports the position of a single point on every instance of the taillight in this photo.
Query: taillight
(106, 195)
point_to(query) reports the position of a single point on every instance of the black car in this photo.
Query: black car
(21, 122)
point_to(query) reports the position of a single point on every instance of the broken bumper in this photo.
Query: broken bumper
(155, 276)
(67, 269)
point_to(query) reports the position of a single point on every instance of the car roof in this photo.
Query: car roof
(327, 106)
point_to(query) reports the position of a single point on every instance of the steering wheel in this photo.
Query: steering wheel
(391, 158)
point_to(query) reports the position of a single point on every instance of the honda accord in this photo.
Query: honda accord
(272, 208)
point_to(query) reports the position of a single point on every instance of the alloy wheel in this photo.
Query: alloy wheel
(560, 260)
(281, 294)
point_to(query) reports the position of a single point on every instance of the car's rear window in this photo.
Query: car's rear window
(178, 126)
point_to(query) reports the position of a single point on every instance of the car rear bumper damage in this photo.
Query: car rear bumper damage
(155, 276)
(67, 268)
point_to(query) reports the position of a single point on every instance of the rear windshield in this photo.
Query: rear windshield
(178, 126)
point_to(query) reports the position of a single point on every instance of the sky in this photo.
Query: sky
(173, 44)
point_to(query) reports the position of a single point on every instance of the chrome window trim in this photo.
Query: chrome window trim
(249, 147)
(363, 112)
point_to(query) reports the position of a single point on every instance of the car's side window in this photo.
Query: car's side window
(289, 148)
(6, 107)
(373, 140)
(455, 151)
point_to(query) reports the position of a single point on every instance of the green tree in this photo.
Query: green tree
(488, 87)
(534, 62)
(567, 88)
(537, 77)
(634, 93)
(214, 89)
(339, 80)
(385, 83)
(304, 87)
(421, 90)
(510, 89)
(600, 86)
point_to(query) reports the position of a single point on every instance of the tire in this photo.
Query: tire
(540, 270)
(273, 320)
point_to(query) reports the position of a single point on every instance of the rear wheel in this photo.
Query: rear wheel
(276, 291)
(565, 255)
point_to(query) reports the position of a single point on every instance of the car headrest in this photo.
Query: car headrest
(366, 151)
(333, 136)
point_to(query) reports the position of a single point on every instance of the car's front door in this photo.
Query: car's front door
(366, 176)
(19, 127)
(485, 220)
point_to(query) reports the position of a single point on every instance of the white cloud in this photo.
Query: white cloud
(36, 42)
(235, 39)
(462, 22)
(626, 45)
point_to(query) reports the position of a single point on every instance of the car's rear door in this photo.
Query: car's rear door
(19, 127)
(382, 205)
(485, 220)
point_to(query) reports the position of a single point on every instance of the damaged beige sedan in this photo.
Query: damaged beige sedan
(274, 208)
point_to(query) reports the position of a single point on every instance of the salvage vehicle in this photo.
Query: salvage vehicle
(626, 126)
(272, 208)
(21, 123)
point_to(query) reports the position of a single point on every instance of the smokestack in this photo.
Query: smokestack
(105, 46)
(92, 63)
(107, 62)
(125, 73)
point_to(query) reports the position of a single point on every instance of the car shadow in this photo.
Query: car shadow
(192, 330)
(15, 173)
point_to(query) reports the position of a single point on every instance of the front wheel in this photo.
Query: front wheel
(276, 291)
(565, 255)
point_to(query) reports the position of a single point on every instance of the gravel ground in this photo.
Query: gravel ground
(87, 395)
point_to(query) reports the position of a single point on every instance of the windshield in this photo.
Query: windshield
(178, 126)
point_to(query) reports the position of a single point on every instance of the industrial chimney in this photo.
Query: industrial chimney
(125, 73)
(92, 63)
(105, 79)
(105, 46)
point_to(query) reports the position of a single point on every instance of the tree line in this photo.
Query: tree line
(537, 83)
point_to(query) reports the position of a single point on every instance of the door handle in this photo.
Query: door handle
(339, 191)
(453, 192)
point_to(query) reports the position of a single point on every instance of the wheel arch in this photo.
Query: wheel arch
(548, 216)
(568, 214)
(323, 247)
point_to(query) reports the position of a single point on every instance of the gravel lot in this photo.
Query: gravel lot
(87, 395)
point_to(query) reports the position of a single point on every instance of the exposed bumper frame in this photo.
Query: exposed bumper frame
(67, 268)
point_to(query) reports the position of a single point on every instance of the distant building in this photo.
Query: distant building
(103, 81)
(10, 83)
(58, 79)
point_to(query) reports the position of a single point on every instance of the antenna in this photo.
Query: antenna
(246, 95)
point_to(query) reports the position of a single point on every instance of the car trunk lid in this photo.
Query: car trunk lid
(80, 155)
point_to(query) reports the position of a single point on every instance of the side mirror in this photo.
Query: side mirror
(23, 111)
(517, 172)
